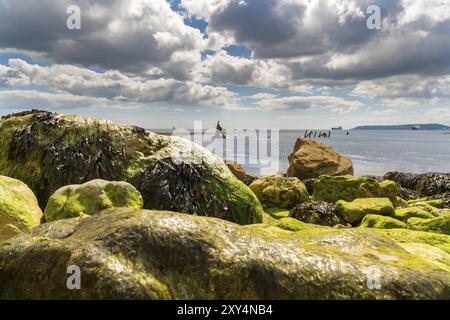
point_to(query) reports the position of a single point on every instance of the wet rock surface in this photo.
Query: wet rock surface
(137, 254)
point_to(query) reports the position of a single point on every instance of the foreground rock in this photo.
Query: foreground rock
(19, 209)
(281, 192)
(136, 254)
(91, 198)
(311, 159)
(427, 184)
(48, 151)
(318, 213)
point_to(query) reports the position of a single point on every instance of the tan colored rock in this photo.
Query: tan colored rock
(237, 169)
(311, 159)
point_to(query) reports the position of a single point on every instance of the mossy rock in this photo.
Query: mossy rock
(438, 225)
(422, 204)
(19, 209)
(139, 254)
(412, 212)
(90, 198)
(403, 236)
(48, 151)
(353, 212)
(277, 213)
(400, 203)
(382, 222)
(441, 212)
(389, 189)
(292, 224)
(348, 188)
(281, 192)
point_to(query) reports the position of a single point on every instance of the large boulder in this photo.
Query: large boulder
(90, 198)
(348, 188)
(353, 212)
(311, 159)
(281, 192)
(48, 151)
(138, 254)
(317, 212)
(19, 209)
(426, 184)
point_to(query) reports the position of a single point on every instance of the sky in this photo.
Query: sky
(286, 64)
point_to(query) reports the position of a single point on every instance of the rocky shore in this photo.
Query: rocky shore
(117, 202)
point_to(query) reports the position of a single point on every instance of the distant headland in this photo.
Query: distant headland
(405, 127)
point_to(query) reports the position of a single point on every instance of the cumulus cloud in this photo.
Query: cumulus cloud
(329, 39)
(112, 85)
(406, 90)
(333, 104)
(311, 53)
(130, 36)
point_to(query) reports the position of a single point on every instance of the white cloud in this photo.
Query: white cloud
(113, 85)
(333, 104)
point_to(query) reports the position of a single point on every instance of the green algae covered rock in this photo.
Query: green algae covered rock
(139, 254)
(355, 211)
(439, 224)
(382, 222)
(412, 212)
(49, 151)
(277, 213)
(403, 236)
(292, 224)
(348, 188)
(90, 198)
(279, 191)
(390, 189)
(19, 209)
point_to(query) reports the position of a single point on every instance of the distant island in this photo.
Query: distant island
(405, 127)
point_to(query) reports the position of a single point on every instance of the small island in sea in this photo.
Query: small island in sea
(424, 127)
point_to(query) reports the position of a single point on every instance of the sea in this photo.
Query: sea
(373, 152)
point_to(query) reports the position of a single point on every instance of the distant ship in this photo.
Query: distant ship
(338, 128)
(416, 128)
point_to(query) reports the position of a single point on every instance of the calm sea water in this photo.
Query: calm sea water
(377, 152)
(373, 152)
